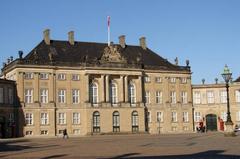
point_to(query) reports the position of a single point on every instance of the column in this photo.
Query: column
(140, 89)
(126, 88)
(20, 86)
(87, 88)
(36, 87)
(121, 89)
(51, 88)
(102, 89)
(107, 88)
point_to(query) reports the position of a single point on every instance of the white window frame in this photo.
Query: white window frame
(43, 76)
(28, 75)
(61, 96)
(159, 97)
(184, 80)
(174, 117)
(94, 93)
(158, 79)
(113, 93)
(173, 97)
(173, 79)
(197, 116)
(159, 116)
(184, 97)
(197, 97)
(149, 116)
(147, 79)
(185, 117)
(29, 119)
(210, 97)
(44, 118)
(147, 97)
(62, 118)
(28, 93)
(132, 94)
(61, 76)
(75, 77)
(75, 96)
(223, 96)
(224, 116)
(237, 95)
(44, 95)
(76, 118)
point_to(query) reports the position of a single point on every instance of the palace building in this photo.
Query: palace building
(210, 104)
(92, 88)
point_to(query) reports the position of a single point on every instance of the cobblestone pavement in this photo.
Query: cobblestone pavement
(180, 146)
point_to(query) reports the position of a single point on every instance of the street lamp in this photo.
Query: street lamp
(227, 75)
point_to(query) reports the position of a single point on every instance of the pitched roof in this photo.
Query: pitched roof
(89, 52)
(238, 79)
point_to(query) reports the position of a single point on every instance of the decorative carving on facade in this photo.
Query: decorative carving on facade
(112, 54)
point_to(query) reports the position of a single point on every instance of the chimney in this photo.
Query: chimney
(71, 37)
(20, 53)
(122, 41)
(46, 36)
(143, 44)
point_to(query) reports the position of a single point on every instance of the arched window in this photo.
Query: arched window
(134, 121)
(96, 122)
(113, 93)
(94, 93)
(116, 122)
(132, 94)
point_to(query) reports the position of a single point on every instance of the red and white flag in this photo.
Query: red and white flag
(108, 21)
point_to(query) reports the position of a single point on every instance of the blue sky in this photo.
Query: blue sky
(207, 32)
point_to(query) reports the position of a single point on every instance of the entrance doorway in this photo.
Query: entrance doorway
(2, 127)
(211, 122)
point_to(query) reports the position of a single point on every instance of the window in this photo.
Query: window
(132, 94)
(224, 116)
(237, 93)
(76, 131)
(238, 116)
(61, 118)
(149, 119)
(75, 96)
(10, 95)
(174, 116)
(223, 96)
(11, 118)
(44, 132)
(75, 77)
(29, 95)
(159, 116)
(158, 80)
(183, 80)
(61, 76)
(113, 93)
(184, 97)
(29, 133)
(29, 119)
(197, 98)
(116, 122)
(94, 93)
(147, 97)
(43, 76)
(147, 79)
(96, 122)
(197, 116)
(61, 96)
(173, 97)
(159, 99)
(44, 118)
(210, 97)
(28, 75)
(173, 80)
(76, 118)
(1, 95)
(185, 117)
(134, 121)
(44, 95)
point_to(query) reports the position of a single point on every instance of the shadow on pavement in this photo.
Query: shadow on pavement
(54, 156)
(211, 154)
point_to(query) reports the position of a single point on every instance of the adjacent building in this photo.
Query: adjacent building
(95, 88)
(9, 110)
(210, 104)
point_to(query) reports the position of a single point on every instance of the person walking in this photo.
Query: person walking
(65, 134)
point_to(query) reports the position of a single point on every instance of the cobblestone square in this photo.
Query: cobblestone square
(180, 146)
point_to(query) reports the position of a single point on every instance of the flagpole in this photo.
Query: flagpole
(108, 20)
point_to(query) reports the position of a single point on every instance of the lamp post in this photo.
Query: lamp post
(227, 75)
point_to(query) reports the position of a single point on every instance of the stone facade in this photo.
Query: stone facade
(210, 105)
(112, 93)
